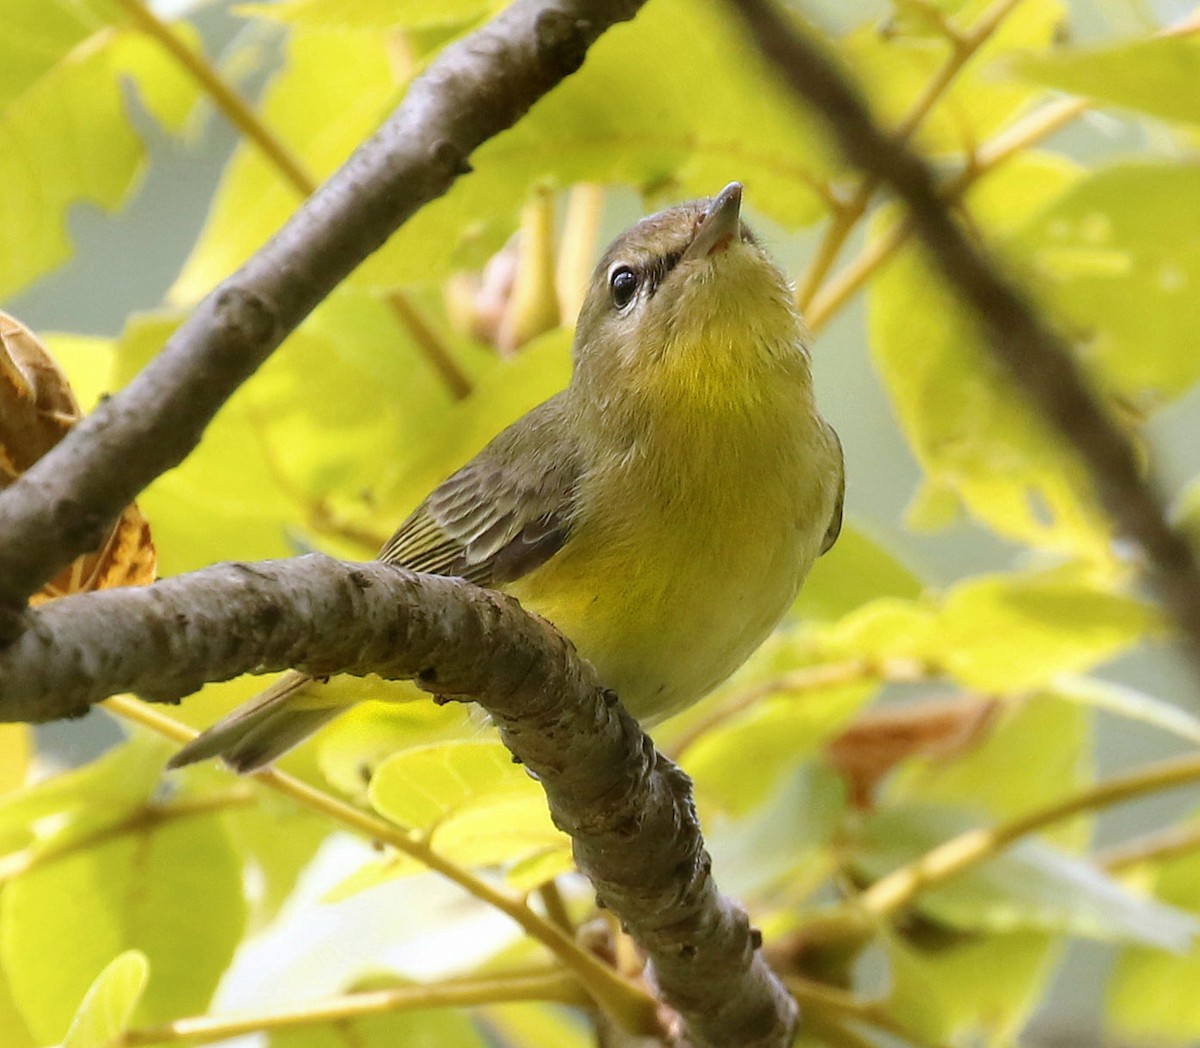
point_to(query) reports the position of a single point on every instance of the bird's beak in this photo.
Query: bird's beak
(721, 224)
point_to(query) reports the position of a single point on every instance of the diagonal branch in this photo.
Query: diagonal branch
(628, 810)
(1038, 358)
(475, 88)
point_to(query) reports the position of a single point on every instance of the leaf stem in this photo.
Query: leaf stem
(436, 351)
(241, 115)
(964, 46)
(555, 906)
(625, 1002)
(540, 985)
(1169, 843)
(898, 888)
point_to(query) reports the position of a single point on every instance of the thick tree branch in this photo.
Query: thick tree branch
(475, 88)
(1039, 360)
(628, 809)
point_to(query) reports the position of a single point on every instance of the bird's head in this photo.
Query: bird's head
(687, 308)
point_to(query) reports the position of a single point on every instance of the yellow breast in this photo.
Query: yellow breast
(690, 545)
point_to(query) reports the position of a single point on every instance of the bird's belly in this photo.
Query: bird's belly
(664, 622)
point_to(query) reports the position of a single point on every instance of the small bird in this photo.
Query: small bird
(662, 511)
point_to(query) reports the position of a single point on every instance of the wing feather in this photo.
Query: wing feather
(504, 513)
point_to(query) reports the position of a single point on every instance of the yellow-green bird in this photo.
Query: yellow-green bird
(662, 511)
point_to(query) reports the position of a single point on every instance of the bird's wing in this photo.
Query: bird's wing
(835, 521)
(506, 512)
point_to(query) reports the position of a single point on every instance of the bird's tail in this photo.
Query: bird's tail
(266, 727)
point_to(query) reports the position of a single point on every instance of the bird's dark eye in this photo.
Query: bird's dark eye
(623, 284)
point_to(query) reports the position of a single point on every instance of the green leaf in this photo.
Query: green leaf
(645, 110)
(508, 831)
(502, 394)
(328, 418)
(109, 1003)
(1030, 886)
(40, 35)
(16, 748)
(996, 633)
(783, 842)
(970, 429)
(61, 100)
(537, 1026)
(477, 805)
(420, 787)
(737, 765)
(170, 887)
(278, 840)
(1115, 258)
(370, 14)
(536, 868)
(857, 570)
(225, 500)
(79, 802)
(11, 1020)
(331, 93)
(354, 746)
(1015, 632)
(371, 874)
(981, 986)
(1151, 995)
(88, 362)
(1156, 75)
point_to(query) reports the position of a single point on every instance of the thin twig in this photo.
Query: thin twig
(964, 47)
(1038, 125)
(898, 888)
(236, 109)
(556, 908)
(437, 353)
(548, 986)
(1159, 846)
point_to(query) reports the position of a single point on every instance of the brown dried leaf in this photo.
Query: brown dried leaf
(127, 558)
(870, 748)
(37, 408)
